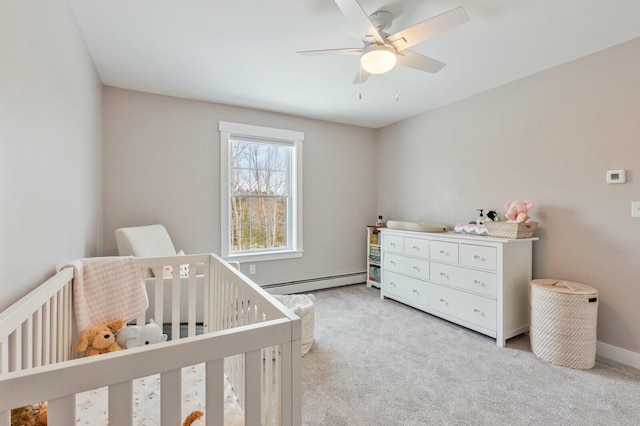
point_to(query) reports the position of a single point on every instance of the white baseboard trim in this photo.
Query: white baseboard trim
(617, 354)
(312, 284)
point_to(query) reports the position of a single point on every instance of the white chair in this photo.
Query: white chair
(144, 241)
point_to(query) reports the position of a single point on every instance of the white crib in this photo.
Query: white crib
(249, 340)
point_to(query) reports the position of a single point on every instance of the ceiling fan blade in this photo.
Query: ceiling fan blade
(361, 76)
(325, 52)
(420, 62)
(358, 18)
(429, 28)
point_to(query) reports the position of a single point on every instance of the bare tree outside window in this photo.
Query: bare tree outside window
(260, 194)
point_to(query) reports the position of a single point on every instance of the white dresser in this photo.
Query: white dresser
(481, 283)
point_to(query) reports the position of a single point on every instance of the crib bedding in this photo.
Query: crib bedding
(92, 405)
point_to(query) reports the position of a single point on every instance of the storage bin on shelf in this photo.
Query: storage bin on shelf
(505, 229)
(563, 322)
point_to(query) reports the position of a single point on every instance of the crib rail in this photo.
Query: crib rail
(38, 330)
(248, 337)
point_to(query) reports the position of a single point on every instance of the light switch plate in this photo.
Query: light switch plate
(635, 209)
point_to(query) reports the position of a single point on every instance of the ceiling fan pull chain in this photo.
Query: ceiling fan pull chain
(397, 83)
(360, 83)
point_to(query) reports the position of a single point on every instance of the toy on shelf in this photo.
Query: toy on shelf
(517, 211)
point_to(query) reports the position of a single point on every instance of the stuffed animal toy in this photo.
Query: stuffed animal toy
(99, 339)
(517, 211)
(133, 336)
(41, 418)
(231, 418)
(195, 418)
(29, 415)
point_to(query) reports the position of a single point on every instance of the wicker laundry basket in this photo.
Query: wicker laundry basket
(302, 305)
(563, 322)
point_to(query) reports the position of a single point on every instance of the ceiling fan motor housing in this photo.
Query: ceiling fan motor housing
(381, 19)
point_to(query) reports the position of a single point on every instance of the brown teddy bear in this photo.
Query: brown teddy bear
(99, 339)
(232, 417)
(29, 415)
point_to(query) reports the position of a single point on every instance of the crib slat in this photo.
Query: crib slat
(171, 396)
(253, 387)
(37, 338)
(120, 399)
(46, 327)
(62, 411)
(53, 331)
(175, 303)
(215, 392)
(5, 418)
(16, 357)
(159, 294)
(192, 301)
(60, 325)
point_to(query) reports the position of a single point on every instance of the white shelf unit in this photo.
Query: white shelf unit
(373, 256)
(481, 283)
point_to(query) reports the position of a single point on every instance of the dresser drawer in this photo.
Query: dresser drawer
(406, 289)
(443, 251)
(465, 279)
(406, 265)
(478, 281)
(393, 243)
(468, 307)
(478, 256)
(416, 247)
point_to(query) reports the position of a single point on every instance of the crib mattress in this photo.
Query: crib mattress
(92, 406)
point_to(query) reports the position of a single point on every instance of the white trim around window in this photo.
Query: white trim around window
(267, 134)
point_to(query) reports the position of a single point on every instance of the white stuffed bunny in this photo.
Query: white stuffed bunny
(133, 336)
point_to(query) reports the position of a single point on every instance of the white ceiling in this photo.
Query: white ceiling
(243, 52)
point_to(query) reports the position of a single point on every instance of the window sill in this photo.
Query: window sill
(263, 257)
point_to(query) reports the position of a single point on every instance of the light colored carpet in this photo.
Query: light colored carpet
(378, 362)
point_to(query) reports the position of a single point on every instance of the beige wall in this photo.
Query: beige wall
(161, 160)
(50, 145)
(549, 138)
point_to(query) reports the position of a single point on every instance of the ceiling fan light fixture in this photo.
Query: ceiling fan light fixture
(378, 59)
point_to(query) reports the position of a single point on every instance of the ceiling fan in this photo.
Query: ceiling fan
(381, 51)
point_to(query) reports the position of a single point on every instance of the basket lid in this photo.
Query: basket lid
(565, 287)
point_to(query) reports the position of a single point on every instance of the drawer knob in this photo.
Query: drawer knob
(476, 257)
(442, 274)
(443, 252)
(392, 244)
(442, 300)
(415, 268)
(416, 292)
(477, 282)
(391, 283)
(392, 262)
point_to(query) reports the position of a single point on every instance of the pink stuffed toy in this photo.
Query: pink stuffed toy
(517, 211)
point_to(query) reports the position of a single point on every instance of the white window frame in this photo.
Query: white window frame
(290, 137)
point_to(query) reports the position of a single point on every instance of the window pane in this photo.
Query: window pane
(240, 237)
(279, 209)
(277, 183)
(279, 236)
(240, 182)
(240, 210)
(259, 210)
(258, 236)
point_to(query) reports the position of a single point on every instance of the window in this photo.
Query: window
(261, 192)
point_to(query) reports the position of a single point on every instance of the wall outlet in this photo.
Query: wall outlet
(252, 269)
(635, 209)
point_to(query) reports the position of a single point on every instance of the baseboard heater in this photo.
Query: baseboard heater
(301, 286)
